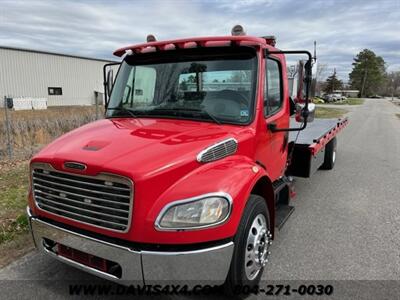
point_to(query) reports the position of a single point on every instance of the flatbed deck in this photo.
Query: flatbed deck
(313, 132)
(309, 144)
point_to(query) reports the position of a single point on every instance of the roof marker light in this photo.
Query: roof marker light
(238, 30)
(270, 39)
(151, 38)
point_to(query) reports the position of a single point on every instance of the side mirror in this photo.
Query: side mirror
(110, 81)
(301, 113)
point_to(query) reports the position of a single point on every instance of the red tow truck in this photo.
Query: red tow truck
(191, 170)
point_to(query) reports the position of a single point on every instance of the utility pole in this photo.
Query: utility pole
(314, 86)
(334, 81)
(315, 51)
(392, 89)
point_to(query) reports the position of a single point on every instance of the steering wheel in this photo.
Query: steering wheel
(232, 95)
(226, 104)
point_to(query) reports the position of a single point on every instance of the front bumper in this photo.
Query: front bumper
(210, 265)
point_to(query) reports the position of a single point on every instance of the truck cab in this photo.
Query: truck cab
(188, 174)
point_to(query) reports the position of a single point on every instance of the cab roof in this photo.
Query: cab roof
(215, 41)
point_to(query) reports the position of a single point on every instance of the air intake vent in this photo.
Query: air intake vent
(218, 151)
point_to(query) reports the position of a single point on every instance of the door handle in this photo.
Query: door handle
(271, 126)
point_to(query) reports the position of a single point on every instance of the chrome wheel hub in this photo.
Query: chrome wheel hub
(257, 246)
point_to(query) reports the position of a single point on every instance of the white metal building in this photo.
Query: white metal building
(348, 93)
(60, 78)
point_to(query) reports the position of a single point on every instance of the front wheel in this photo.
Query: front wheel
(252, 243)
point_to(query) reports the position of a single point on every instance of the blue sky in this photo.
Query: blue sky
(96, 28)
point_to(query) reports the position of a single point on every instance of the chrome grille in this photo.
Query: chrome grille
(103, 201)
(218, 151)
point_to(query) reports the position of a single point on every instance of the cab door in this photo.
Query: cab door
(274, 144)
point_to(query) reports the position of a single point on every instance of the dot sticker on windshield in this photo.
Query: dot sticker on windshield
(244, 113)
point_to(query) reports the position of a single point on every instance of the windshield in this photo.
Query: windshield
(213, 85)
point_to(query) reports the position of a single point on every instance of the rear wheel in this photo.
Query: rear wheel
(252, 243)
(330, 155)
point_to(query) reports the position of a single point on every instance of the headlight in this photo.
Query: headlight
(198, 212)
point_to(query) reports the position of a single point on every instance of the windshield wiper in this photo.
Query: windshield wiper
(193, 110)
(123, 109)
(212, 117)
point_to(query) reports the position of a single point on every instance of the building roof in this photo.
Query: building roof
(55, 53)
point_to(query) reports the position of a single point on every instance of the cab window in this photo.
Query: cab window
(273, 87)
(140, 86)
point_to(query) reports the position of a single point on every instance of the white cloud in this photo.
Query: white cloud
(96, 28)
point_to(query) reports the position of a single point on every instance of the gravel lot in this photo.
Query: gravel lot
(346, 225)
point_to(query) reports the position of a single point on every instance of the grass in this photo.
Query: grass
(328, 112)
(350, 101)
(31, 130)
(15, 239)
(51, 112)
(13, 200)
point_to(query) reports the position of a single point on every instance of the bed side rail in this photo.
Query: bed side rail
(317, 145)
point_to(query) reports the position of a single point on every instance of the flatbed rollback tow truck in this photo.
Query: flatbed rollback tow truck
(191, 171)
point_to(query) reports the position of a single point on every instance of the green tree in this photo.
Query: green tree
(191, 79)
(368, 74)
(332, 83)
(183, 85)
(239, 76)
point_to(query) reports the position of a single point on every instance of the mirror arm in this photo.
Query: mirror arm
(308, 75)
(272, 127)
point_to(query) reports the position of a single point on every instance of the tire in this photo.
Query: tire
(251, 231)
(330, 155)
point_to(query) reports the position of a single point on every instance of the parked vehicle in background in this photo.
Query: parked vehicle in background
(333, 97)
(339, 97)
(329, 98)
(190, 172)
(318, 100)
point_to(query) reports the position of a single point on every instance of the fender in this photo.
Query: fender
(237, 176)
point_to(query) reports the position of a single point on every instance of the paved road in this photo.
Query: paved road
(346, 225)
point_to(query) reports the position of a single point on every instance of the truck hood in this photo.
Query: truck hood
(136, 147)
